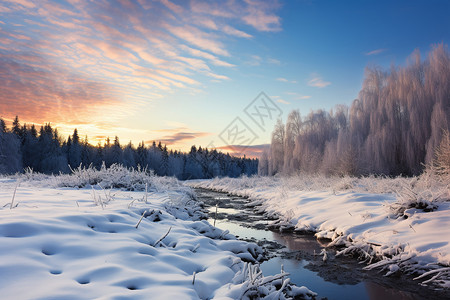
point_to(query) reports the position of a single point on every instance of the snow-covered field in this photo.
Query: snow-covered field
(72, 237)
(397, 225)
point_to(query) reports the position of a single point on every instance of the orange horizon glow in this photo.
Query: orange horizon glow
(96, 66)
(65, 131)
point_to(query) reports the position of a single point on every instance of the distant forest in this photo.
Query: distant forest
(23, 147)
(394, 128)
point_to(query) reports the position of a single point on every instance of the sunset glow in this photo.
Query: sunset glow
(182, 71)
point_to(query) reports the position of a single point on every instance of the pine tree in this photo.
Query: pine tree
(2, 126)
(16, 127)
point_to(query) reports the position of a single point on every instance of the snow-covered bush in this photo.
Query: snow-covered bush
(250, 283)
(118, 176)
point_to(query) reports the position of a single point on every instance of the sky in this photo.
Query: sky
(204, 73)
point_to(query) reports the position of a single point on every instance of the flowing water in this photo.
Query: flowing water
(333, 279)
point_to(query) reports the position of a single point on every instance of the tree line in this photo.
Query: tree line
(45, 151)
(393, 128)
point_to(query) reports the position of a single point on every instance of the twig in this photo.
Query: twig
(101, 201)
(195, 248)
(222, 236)
(215, 215)
(146, 186)
(163, 237)
(14, 195)
(93, 192)
(193, 277)
(446, 269)
(432, 278)
(263, 282)
(131, 203)
(143, 214)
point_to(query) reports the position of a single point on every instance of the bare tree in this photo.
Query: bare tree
(277, 148)
(394, 127)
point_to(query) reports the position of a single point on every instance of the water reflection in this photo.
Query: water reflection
(376, 291)
(334, 280)
(222, 210)
(241, 231)
(305, 243)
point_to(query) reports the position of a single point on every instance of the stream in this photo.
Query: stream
(299, 254)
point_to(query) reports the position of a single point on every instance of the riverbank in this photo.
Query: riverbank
(362, 223)
(336, 278)
(115, 234)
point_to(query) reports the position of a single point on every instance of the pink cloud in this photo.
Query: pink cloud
(198, 38)
(49, 94)
(205, 22)
(113, 52)
(16, 35)
(282, 101)
(177, 77)
(206, 55)
(261, 15)
(211, 8)
(172, 6)
(54, 9)
(233, 31)
(74, 58)
(179, 135)
(317, 81)
(25, 3)
(145, 4)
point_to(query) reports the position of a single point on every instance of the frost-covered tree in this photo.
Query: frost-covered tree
(393, 128)
(263, 166)
(293, 127)
(277, 148)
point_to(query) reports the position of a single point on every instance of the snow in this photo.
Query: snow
(349, 213)
(63, 238)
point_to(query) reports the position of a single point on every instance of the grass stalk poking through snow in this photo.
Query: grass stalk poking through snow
(215, 215)
(162, 238)
(143, 214)
(14, 196)
(146, 191)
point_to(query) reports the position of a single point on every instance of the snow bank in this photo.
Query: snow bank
(398, 221)
(60, 242)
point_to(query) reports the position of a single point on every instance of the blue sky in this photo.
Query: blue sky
(183, 71)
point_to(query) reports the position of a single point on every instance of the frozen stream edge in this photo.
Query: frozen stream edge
(406, 290)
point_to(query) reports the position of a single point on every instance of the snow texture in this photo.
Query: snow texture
(63, 238)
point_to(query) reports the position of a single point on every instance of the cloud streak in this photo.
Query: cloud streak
(93, 61)
(375, 52)
(282, 79)
(318, 82)
(179, 136)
